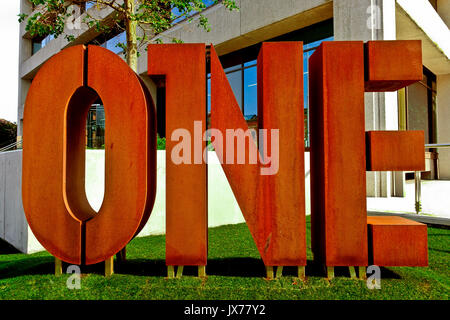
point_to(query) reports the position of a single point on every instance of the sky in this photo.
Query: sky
(9, 59)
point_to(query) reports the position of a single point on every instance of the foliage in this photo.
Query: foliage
(235, 271)
(160, 143)
(8, 132)
(151, 16)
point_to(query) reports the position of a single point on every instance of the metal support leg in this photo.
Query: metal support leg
(58, 267)
(109, 266)
(279, 273)
(362, 272)
(330, 273)
(352, 271)
(269, 272)
(180, 271)
(170, 272)
(201, 271)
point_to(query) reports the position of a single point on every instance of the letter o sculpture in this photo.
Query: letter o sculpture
(54, 139)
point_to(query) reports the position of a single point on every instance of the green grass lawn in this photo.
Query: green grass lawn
(234, 270)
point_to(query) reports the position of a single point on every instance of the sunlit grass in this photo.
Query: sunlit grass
(234, 270)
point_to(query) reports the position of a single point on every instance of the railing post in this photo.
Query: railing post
(417, 182)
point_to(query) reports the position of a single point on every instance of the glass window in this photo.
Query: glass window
(95, 127)
(243, 81)
(250, 93)
(235, 80)
(176, 12)
(36, 46)
(89, 5)
(420, 106)
(112, 43)
(242, 74)
(208, 92)
(308, 50)
(39, 42)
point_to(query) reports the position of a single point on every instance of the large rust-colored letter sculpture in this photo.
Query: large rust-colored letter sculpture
(340, 74)
(184, 69)
(273, 205)
(395, 241)
(53, 191)
(270, 195)
(338, 165)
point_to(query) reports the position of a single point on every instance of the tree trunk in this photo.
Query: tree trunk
(131, 29)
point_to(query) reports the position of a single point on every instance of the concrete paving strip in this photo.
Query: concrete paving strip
(431, 221)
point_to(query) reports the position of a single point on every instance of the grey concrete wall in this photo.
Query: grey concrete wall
(256, 21)
(30, 63)
(443, 124)
(12, 217)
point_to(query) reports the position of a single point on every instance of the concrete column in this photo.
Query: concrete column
(443, 128)
(372, 20)
(25, 51)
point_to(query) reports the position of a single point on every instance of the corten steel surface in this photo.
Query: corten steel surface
(338, 164)
(130, 154)
(392, 65)
(395, 151)
(280, 101)
(396, 241)
(273, 205)
(43, 168)
(53, 191)
(184, 68)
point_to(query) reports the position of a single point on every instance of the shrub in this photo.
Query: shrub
(8, 132)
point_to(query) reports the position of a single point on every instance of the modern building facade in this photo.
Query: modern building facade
(237, 37)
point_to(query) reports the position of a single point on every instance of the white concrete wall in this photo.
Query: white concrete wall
(222, 206)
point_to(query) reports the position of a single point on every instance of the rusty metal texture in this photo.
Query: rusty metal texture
(184, 68)
(273, 205)
(43, 166)
(392, 65)
(396, 241)
(395, 151)
(130, 155)
(338, 164)
(280, 101)
(53, 190)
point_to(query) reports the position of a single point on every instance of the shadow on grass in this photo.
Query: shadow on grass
(6, 248)
(27, 267)
(226, 267)
(439, 250)
(233, 267)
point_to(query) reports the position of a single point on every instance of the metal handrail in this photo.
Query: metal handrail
(418, 180)
(16, 144)
(437, 145)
